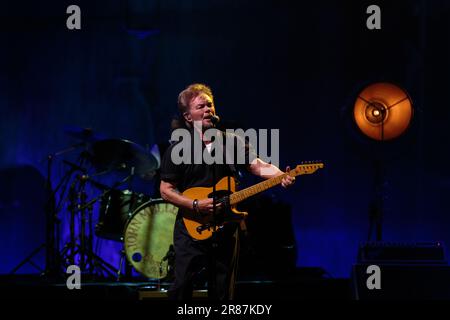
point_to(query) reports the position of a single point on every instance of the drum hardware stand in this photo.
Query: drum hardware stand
(82, 197)
(128, 271)
(51, 246)
(89, 261)
(92, 259)
(71, 248)
(73, 206)
(72, 210)
(127, 267)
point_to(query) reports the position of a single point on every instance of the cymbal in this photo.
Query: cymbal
(83, 134)
(122, 155)
(383, 111)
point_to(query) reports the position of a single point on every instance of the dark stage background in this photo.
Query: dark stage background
(295, 66)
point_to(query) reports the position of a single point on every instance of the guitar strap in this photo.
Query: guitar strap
(231, 165)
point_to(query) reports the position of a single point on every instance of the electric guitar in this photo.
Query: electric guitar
(200, 226)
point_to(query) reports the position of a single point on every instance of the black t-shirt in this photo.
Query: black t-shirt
(188, 175)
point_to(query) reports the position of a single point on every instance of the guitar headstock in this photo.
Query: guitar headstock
(306, 167)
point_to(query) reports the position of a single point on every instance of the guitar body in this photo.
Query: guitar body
(194, 221)
(200, 226)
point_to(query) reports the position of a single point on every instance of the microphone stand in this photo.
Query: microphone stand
(212, 283)
(215, 222)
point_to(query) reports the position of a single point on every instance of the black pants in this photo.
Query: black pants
(193, 256)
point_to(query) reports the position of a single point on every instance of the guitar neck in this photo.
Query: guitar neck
(239, 196)
(255, 189)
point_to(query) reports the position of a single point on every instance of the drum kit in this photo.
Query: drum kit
(142, 224)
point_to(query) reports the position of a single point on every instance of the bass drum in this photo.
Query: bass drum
(149, 238)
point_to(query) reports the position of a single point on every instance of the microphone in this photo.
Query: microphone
(215, 119)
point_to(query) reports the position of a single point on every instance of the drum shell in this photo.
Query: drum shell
(116, 208)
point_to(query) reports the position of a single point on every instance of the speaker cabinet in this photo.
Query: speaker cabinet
(401, 281)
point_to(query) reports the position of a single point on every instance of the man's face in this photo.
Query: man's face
(201, 108)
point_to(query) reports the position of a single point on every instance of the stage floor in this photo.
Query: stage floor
(301, 285)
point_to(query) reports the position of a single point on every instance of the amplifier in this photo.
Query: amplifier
(402, 282)
(402, 253)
